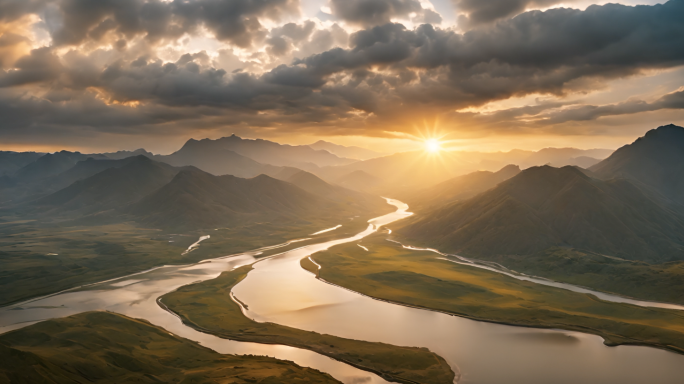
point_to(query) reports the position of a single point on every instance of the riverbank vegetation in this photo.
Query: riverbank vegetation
(39, 259)
(655, 282)
(105, 347)
(424, 279)
(208, 307)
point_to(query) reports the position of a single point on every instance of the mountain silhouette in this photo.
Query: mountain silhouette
(216, 160)
(111, 188)
(655, 161)
(352, 152)
(10, 161)
(196, 199)
(268, 152)
(51, 164)
(543, 207)
(353, 202)
(460, 188)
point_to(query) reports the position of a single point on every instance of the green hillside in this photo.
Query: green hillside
(460, 188)
(102, 347)
(655, 161)
(545, 207)
(111, 188)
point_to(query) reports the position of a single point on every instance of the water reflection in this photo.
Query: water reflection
(279, 290)
(137, 298)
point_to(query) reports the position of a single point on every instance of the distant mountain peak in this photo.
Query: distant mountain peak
(665, 132)
(546, 172)
(263, 151)
(655, 160)
(142, 158)
(509, 168)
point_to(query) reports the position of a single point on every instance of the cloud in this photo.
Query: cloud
(234, 21)
(11, 10)
(477, 12)
(377, 79)
(41, 65)
(375, 12)
(673, 100)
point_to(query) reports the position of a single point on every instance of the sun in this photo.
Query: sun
(433, 145)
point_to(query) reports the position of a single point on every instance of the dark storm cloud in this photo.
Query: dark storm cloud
(374, 12)
(41, 65)
(592, 112)
(389, 75)
(13, 9)
(673, 100)
(476, 12)
(534, 52)
(295, 31)
(234, 21)
(282, 39)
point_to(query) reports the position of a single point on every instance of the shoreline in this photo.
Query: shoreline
(607, 339)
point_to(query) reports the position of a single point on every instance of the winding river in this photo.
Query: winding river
(279, 290)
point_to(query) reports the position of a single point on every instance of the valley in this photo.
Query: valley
(112, 348)
(341, 191)
(423, 279)
(311, 277)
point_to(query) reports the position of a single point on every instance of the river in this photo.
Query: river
(279, 290)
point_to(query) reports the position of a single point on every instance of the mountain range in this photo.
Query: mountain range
(408, 173)
(351, 152)
(123, 182)
(269, 152)
(159, 195)
(29, 176)
(10, 162)
(617, 208)
(655, 161)
(459, 188)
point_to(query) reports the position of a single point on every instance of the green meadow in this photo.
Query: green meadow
(40, 259)
(422, 279)
(207, 306)
(105, 348)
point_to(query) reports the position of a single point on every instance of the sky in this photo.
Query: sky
(484, 75)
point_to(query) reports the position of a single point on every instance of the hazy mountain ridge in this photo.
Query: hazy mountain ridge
(269, 152)
(359, 181)
(51, 164)
(217, 161)
(409, 172)
(10, 161)
(401, 172)
(112, 187)
(350, 152)
(352, 200)
(118, 155)
(159, 195)
(195, 199)
(46, 174)
(460, 188)
(543, 207)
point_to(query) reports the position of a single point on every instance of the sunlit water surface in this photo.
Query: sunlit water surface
(279, 290)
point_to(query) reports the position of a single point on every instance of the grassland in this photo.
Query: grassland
(39, 259)
(207, 306)
(658, 282)
(421, 279)
(104, 347)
